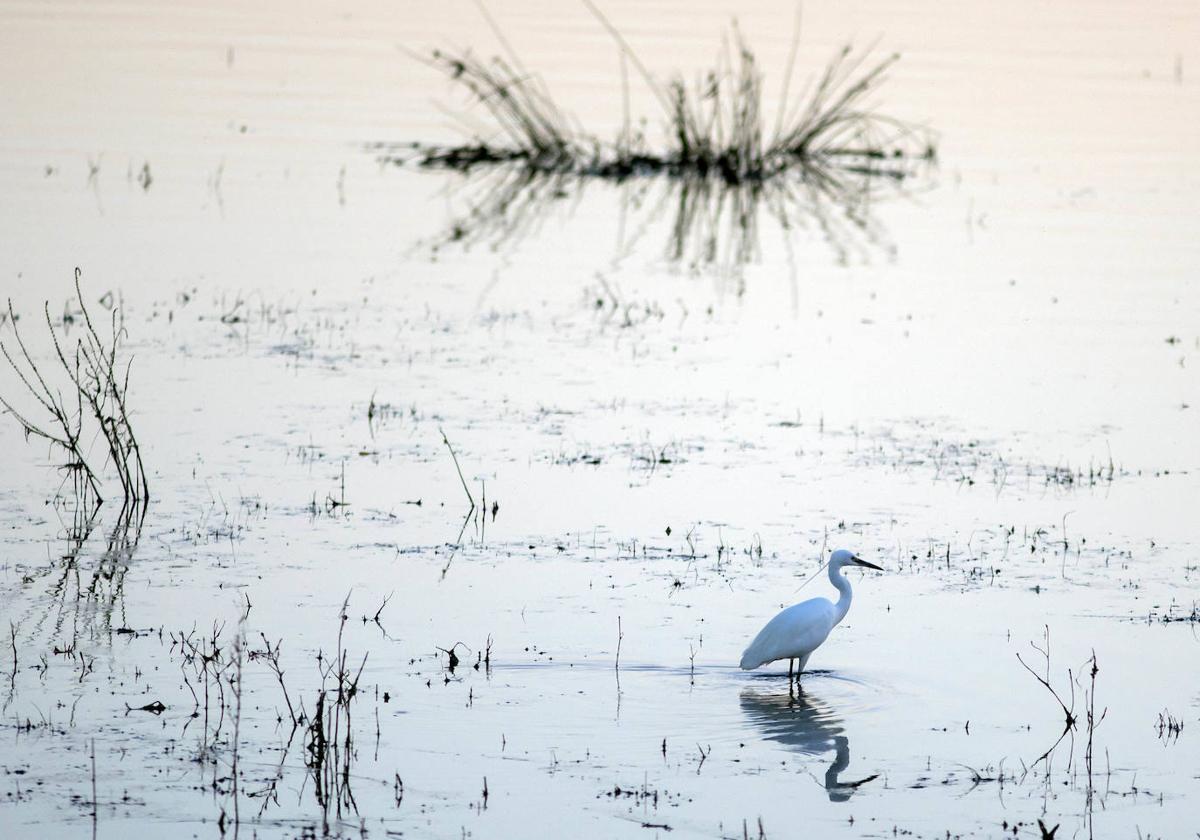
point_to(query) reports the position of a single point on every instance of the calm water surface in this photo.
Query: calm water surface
(990, 389)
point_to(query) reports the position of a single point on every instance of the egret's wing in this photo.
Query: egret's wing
(792, 633)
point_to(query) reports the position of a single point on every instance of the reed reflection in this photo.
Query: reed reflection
(702, 223)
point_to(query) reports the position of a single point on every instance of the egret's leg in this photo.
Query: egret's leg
(791, 662)
(803, 662)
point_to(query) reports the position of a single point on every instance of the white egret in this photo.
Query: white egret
(802, 628)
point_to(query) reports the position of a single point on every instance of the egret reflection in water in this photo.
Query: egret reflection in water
(805, 724)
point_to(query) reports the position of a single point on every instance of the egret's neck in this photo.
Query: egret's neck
(843, 587)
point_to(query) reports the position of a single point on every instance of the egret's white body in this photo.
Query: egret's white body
(802, 628)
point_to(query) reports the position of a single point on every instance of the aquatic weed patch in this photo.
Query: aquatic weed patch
(715, 128)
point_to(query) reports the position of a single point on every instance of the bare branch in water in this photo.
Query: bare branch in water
(99, 384)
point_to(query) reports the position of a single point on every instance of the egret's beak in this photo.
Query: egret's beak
(858, 561)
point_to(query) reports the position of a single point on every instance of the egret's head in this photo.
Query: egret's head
(843, 557)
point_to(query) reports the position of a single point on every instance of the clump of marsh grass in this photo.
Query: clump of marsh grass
(96, 394)
(717, 125)
(713, 128)
(533, 127)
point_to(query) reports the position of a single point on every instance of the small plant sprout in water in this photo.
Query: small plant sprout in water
(1168, 727)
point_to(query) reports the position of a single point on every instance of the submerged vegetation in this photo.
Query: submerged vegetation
(714, 128)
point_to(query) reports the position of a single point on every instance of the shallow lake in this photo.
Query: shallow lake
(667, 407)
